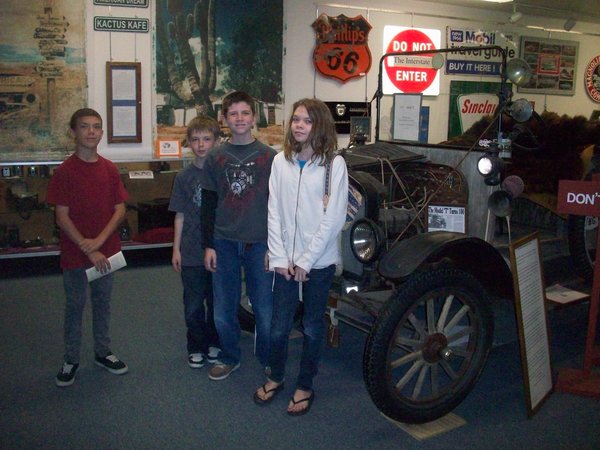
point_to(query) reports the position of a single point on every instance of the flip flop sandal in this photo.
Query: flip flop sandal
(275, 391)
(308, 400)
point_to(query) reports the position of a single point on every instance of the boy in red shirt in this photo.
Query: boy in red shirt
(89, 200)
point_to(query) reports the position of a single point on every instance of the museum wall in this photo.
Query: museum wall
(301, 80)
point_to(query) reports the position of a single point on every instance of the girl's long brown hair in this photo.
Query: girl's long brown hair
(322, 138)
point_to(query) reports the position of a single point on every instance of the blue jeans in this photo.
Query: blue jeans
(76, 287)
(315, 293)
(199, 320)
(227, 286)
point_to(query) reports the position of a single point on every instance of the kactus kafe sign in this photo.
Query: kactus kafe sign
(126, 24)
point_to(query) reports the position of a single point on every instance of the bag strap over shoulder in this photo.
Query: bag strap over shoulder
(327, 185)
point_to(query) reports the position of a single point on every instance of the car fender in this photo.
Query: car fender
(468, 253)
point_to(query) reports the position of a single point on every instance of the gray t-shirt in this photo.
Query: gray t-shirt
(186, 198)
(240, 176)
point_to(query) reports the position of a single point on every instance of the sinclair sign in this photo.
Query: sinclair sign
(410, 73)
(342, 50)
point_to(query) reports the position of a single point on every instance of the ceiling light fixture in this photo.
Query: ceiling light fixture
(569, 24)
(515, 16)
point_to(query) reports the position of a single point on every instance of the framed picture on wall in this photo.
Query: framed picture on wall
(123, 102)
(554, 65)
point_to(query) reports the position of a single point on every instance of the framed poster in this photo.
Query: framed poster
(554, 65)
(447, 218)
(532, 322)
(123, 102)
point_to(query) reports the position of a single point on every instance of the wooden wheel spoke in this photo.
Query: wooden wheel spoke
(409, 374)
(406, 359)
(444, 313)
(457, 318)
(420, 381)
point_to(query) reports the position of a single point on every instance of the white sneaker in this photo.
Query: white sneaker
(196, 360)
(213, 354)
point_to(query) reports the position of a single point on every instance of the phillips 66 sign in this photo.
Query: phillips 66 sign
(342, 50)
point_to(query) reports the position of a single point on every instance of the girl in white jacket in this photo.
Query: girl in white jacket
(304, 224)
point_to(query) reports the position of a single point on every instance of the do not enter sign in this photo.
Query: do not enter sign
(410, 73)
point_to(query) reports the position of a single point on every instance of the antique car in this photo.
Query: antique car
(424, 298)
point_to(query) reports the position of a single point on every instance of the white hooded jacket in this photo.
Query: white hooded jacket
(301, 232)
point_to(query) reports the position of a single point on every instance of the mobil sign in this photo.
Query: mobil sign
(410, 73)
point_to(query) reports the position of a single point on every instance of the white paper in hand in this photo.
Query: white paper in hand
(117, 261)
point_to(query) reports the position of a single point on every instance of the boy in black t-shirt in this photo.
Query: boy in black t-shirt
(188, 254)
(234, 232)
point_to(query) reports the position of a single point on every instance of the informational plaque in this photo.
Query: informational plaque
(407, 115)
(532, 322)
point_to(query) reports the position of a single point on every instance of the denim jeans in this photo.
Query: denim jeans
(232, 256)
(199, 319)
(315, 293)
(76, 287)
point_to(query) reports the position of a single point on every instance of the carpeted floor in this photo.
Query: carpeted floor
(162, 403)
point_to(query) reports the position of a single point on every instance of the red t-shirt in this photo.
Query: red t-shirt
(90, 191)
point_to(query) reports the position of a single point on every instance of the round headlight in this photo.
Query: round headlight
(365, 240)
(484, 165)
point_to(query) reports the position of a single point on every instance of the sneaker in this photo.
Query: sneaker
(66, 376)
(112, 364)
(195, 360)
(221, 371)
(213, 354)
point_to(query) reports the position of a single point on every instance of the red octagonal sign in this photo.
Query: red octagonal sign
(410, 73)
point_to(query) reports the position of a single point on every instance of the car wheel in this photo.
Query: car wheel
(582, 237)
(428, 345)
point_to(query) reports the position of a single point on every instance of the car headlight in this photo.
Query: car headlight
(365, 239)
(490, 167)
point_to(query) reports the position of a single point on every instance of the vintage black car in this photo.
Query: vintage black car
(424, 298)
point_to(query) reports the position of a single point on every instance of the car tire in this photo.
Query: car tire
(582, 239)
(415, 371)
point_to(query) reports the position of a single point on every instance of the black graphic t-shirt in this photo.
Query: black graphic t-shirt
(186, 198)
(240, 176)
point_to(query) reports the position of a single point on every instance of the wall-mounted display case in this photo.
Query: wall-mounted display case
(27, 225)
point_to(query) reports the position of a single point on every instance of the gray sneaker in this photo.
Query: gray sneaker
(112, 364)
(66, 376)
(221, 371)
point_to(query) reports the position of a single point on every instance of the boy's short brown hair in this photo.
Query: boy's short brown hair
(237, 97)
(83, 112)
(203, 123)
